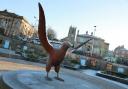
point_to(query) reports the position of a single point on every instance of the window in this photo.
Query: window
(81, 40)
(0, 41)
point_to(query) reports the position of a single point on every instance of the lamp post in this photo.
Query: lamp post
(36, 20)
(35, 26)
(94, 30)
(93, 40)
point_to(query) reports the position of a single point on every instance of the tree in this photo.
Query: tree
(51, 33)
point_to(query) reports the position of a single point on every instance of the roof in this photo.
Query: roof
(6, 13)
(53, 41)
(121, 48)
(64, 39)
(10, 14)
(89, 36)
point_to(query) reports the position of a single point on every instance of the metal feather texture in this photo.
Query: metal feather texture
(42, 31)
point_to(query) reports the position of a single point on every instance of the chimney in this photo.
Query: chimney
(78, 32)
(86, 32)
(91, 33)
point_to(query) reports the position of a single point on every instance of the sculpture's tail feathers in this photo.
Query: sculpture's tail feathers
(42, 31)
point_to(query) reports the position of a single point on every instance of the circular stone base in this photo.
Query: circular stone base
(36, 80)
(27, 79)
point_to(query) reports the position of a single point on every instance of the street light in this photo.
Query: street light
(94, 30)
(36, 20)
(93, 40)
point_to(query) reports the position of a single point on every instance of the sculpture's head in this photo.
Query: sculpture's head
(67, 44)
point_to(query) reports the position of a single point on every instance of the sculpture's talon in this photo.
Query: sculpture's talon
(48, 78)
(60, 79)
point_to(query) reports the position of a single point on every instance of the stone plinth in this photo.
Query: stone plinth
(36, 80)
(27, 79)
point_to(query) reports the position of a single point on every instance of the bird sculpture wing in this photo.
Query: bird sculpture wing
(42, 31)
(80, 45)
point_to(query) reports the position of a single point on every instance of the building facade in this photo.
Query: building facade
(72, 34)
(96, 46)
(120, 51)
(12, 24)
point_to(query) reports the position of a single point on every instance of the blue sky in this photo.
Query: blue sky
(110, 16)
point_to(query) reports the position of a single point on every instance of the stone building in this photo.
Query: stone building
(120, 51)
(72, 34)
(12, 24)
(96, 46)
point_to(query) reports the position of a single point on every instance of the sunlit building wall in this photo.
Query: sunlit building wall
(120, 51)
(96, 46)
(15, 25)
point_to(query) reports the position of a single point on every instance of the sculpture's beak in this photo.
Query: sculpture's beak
(70, 44)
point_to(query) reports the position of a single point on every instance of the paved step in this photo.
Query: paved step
(111, 77)
(2, 84)
(36, 80)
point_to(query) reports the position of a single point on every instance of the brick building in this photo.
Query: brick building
(120, 51)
